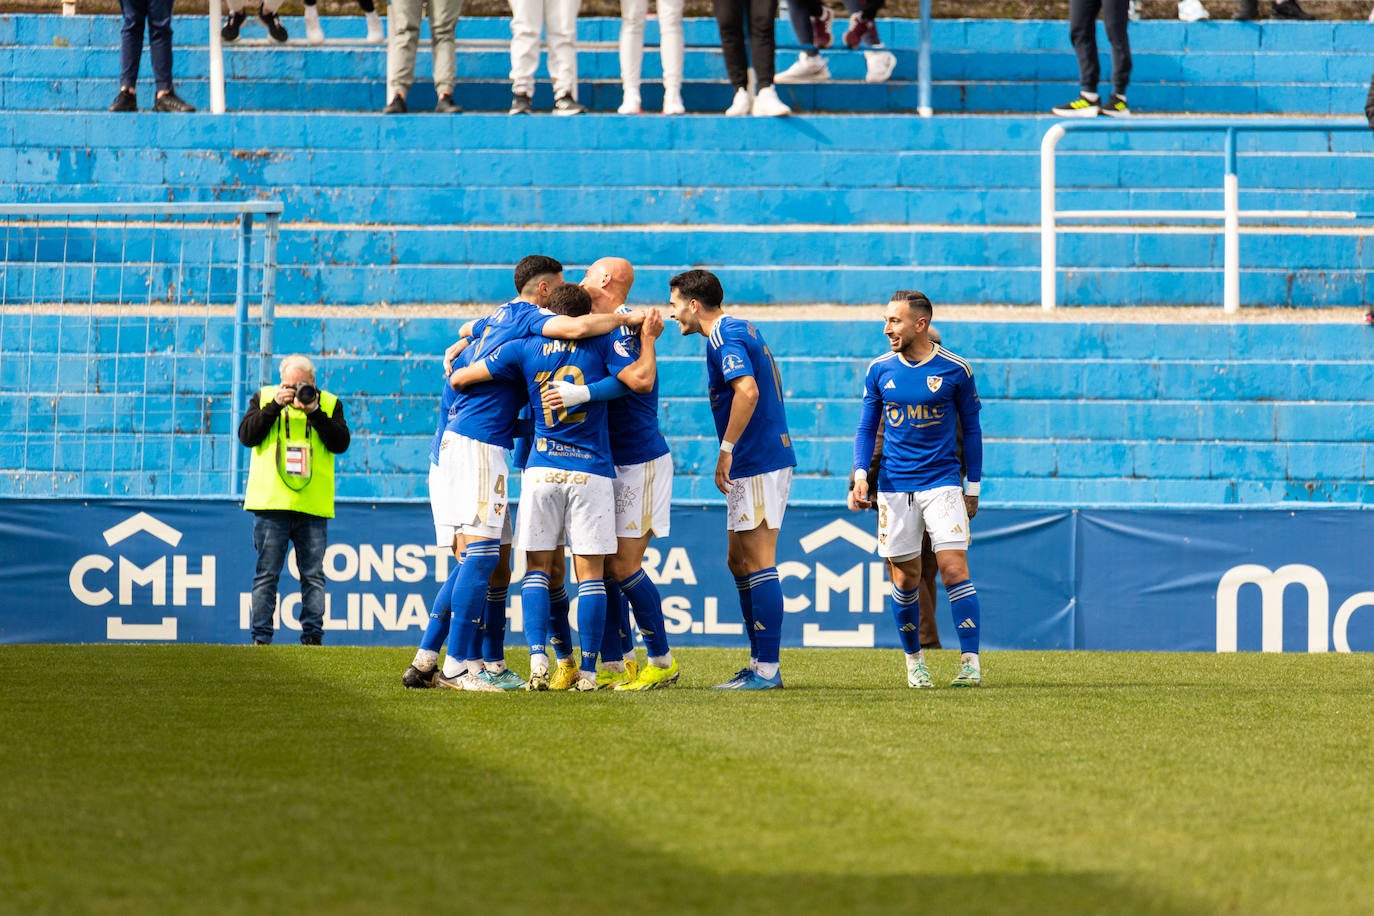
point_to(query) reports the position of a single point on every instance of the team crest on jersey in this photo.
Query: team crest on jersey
(933, 382)
(731, 363)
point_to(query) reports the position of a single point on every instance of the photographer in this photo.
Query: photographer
(294, 430)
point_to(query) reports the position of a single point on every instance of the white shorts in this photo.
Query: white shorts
(474, 484)
(904, 517)
(644, 497)
(758, 500)
(554, 501)
(438, 491)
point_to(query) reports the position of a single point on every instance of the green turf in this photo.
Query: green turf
(233, 779)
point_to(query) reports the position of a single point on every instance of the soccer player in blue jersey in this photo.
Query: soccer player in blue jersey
(474, 446)
(754, 464)
(920, 391)
(567, 486)
(643, 500)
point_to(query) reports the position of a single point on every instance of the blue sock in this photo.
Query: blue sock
(534, 601)
(648, 607)
(558, 625)
(627, 632)
(470, 594)
(440, 614)
(963, 604)
(766, 598)
(591, 620)
(611, 643)
(906, 614)
(746, 609)
(494, 626)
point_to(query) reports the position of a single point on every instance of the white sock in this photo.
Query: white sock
(618, 667)
(1090, 96)
(661, 661)
(474, 666)
(539, 660)
(425, 660)
(453, 667)
(767, 670)
(496, 667)
(753, 663)
(969, 658)
(914, 657)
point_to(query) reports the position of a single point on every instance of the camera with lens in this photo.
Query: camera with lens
(307, 393)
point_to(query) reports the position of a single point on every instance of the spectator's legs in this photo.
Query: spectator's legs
(560, 23)
(801, 26)
(526, 22)
(670, 49)
(730, 21)
(404, 17)
(762, 42)
(1083, 33)
(131, 42)
(1115, 21)
(270, 539)
(869, 10)
(632, 15)
(310, 535)
(160, 42)
(443, 18)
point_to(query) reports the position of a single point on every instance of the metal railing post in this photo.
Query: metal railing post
(236, 384)
(1230, 295)
(269, 294)
(216, 60)
(1048, 233)
(923, 104)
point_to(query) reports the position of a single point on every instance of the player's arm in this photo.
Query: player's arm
(474, 374)
(567, 327)
(640, 375)
(865, 440)
(560, 395)
(745, 399)
(970, 408)
(458, 346)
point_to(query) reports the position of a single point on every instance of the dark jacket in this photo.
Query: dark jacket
(258, 422)
(1369, 104)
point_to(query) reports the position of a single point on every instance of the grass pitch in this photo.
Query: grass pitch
(231, 779)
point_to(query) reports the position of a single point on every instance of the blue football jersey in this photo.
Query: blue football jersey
(735, 349)
(448, 409)
(486, 412)
(633, 418)
(575, 440)
(920, 405)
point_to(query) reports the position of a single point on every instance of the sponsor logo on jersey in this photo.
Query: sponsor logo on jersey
(731, 363)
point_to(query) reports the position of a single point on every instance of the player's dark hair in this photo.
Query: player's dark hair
(569, 299)
(533, 266)
(915, 300)
(701, 285)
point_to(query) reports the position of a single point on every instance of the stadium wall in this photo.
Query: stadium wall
(1185, 580)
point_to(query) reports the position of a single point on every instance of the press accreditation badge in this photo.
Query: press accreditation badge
(297, 458)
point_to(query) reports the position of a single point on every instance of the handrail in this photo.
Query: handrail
(194, 208)
(1231, 213)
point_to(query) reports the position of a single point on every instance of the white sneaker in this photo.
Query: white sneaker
(740, 106)
(375, 32)
(1371, 15)
(1192, 11)
(479, 685)
(313, 33)
(880, 66)
(630, 103)
(809, 68)
(672, 103)
(768, 105)
(1133, 11)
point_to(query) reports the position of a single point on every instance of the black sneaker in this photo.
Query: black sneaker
(232, 23)
(446, 105)
(312, 639)
(415, 679)
(1289, 9)
(125, 101)
(1116, 107)
(397, 105)
(1247, 10)
(567, 105)
(521, 104)
(274, 26)
(1081, 107)
(170, 101)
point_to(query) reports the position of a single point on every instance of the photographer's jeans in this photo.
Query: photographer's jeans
(273, 533)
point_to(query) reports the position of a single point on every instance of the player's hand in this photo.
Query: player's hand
(560, 395)
(970, 505)
(634, 319)
(723, 481)
(653, 325)
(452, 352)
(858, 497)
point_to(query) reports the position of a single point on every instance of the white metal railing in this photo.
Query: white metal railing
(1230, 215)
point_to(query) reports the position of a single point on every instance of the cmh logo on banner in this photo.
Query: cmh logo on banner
(1272, 585)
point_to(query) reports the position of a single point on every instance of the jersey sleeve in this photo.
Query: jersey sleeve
(505, 362)
(732, 359)
(970, 406)
(620, 353)
(870, 415)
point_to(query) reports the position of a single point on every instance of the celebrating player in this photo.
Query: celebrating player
(754, 464)
(920, 391)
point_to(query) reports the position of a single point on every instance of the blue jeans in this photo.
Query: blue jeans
(272, 532)
(157, 14)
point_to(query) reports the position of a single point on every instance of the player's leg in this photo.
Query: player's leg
(482, 508)
(643, 501)
(754, 511)
(947, 520)
(613, 671)
(534, 599)
(423, 669)
(590, 526)
(560, 638)
(494, 628)
(900, 533)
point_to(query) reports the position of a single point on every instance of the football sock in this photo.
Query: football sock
(662, 661)
(440, 614)
(648, 607)
(591, 621)
(906, 615)
(766, 599)
(494, 628)
(767, 669)
(611, 643)
(914, 657)
(425, 659)
(746, 609)
(560, 639)
(963, 604)
(454, 666)
(534, 600)
(470, 595)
